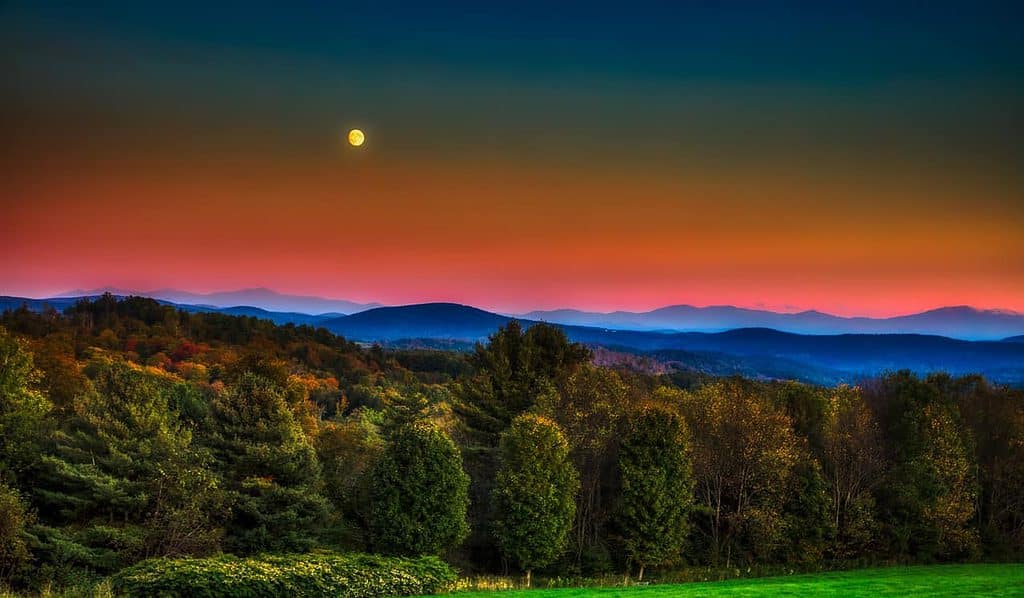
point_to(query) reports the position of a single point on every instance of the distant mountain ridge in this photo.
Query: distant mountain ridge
(962, 322)
(758, 351)
(764, 352)
(277, 317)
(255, 297)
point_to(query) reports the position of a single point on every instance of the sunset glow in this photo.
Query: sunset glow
(815, 185)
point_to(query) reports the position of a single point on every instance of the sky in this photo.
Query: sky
(858, 160)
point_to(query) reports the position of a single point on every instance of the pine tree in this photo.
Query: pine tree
(269, 466)
(124, 481)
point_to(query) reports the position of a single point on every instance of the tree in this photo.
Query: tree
(534, 493)
(927, 502)
(853, 462)
(124, 481)
(420, 493)
(591, 407)
(23, 409)
(995, 416)
(516, 367)
(744, 454)
(348, 451)
(14, 522)
(657, 488)
(269, 467)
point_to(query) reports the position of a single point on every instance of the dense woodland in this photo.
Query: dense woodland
(130, 430)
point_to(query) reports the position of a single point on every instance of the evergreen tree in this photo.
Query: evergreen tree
(124, 481)
(535, 493)
(657, 489)
(269, 466)
(420, 493)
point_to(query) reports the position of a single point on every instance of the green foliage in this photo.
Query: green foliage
(657, 488)
(516, 367)
(995, 416)
(23, 409)
(534, 493)
(317, 574)
(419, 493)
(809, 527)
(928, 503)
(14, 522)
(348, 451)
(269, 466)
(591, 406)
(123, 471)
(245, 436)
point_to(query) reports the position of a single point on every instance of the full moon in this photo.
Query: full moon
(356, 137)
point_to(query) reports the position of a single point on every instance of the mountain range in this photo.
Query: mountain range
(955, 322)
(256, 297)
(752, 351)
(961, 322)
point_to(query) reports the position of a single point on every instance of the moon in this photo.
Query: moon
(356, 137)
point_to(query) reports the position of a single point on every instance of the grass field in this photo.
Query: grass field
(960, 581)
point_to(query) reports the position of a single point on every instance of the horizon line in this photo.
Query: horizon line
(79, 292)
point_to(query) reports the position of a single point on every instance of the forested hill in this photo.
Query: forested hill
(132, 430)
(761, 351)
(757, 352)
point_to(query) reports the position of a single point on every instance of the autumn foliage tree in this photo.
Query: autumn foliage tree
(744, 454)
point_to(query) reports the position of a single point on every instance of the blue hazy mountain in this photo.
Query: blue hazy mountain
(257, 297)
(845, 357)
(956, 322)
(62, 303)
(421, 321)
(754, 352)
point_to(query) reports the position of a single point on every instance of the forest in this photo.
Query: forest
(133, 434)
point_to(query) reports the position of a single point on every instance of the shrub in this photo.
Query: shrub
(316, 574)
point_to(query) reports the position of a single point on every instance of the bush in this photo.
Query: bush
(317, 574)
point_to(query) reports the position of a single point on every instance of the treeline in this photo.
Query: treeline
(131, 430)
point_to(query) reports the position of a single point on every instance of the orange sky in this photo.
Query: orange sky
(858, 163)
(512, 236)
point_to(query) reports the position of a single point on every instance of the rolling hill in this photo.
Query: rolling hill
(761, 351)
(757, 352)
(257, 297)
(955, 322)
(421, 321)
(62, 303)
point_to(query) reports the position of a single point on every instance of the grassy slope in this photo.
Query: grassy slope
(960, 581)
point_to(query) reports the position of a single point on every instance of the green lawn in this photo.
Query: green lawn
(959, 581)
